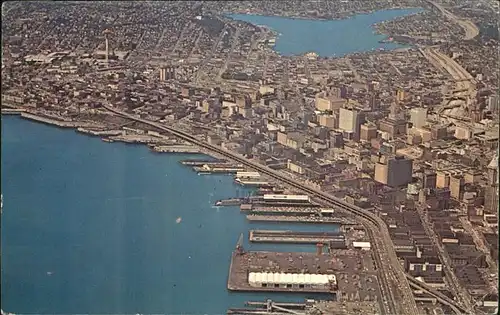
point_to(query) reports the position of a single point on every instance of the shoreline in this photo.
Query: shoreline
(79, 127)
(312, 18)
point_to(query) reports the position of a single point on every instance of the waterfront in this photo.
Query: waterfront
(90, 227)
(328, 38)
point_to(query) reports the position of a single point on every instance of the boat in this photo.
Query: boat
(107, 140)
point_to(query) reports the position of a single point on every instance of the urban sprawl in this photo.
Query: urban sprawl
(400, 147)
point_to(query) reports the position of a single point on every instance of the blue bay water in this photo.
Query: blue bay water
(328, 37)
(90, 227)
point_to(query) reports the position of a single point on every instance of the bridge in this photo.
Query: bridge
(390, 270)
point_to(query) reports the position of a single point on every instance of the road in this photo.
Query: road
(471, 30)
(465, 85)
(234, 42)
(209, 55)
(386, 258)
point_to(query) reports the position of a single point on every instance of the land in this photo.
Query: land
(405, 142)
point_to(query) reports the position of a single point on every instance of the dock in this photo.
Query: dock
(231, 202)
(292, 211)
(13, 111)
(270, 307)
(218, 169)
(176, 149)
(203, 162)
(100, 133)
(254, 183)
(299, 219)
(270, 236)
(136, 139)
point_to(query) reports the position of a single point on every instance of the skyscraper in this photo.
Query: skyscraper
(394, 171)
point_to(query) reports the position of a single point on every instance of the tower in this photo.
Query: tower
(394, 111)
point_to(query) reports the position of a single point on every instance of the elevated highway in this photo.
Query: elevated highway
(465, 84)
(391, 272)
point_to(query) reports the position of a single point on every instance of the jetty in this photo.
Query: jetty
(176, 149)
(297, 219)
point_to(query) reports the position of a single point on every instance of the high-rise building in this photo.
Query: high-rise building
(394, 125)
(162, 74)
(368, 132)
(429, 180)
(350, 120)
(400, 95)
(327, 102)
(493, 103)
(418, 117)
(456, 186)
(394, 171)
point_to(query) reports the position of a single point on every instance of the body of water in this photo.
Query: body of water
(91, 227)
(328, 37)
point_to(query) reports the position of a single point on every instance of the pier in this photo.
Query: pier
(270, 307)
(100, 133)
(176, 149)
(206, 169)
(270, 236)
(203, 162)
(292, 211)
(13, 111)
(231, 202)
(298, 219)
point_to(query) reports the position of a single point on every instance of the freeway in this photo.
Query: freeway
(386, 259)
(471, 30)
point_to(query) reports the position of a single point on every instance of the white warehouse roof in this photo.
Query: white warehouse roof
(290, 278)
(247, 174)
(361, 244)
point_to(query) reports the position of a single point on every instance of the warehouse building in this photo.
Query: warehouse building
(292, 281)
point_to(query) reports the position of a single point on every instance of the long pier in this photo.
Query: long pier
(270, 236)
(295, 219)
(13, 111)
(176, 149)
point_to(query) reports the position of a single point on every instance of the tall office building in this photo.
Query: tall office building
(394, 171)
(418, 117)
(350, 120)
(395, 124)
